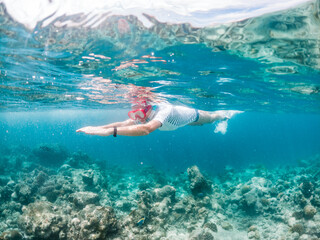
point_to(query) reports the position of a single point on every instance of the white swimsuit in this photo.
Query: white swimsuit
(172, 117)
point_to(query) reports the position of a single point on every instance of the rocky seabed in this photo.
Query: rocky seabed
(50, 193)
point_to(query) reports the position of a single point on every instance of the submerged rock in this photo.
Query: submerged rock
(199, 185)
(82, 199)
(226, 226)
(212, 226)
(253, 235)
(145, 200)
(50, 154)
(13, 234)
(309, 211)
(306, 189)
(23, 193)
(253, 232)
(55, 187)
(167, 191)
(145, 185)
(43, 220)
(40, 221)
(79, 160)
(93, 222)
(254, 196)
(201, 234)
(179, 208)
(41, 178)
(161, 209)
(87, 178)
(298, 228)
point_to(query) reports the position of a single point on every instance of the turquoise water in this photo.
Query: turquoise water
(252, 138)
(57, 77)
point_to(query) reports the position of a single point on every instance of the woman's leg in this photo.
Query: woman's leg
(208, 117)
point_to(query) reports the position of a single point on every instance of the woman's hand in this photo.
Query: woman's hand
(96, 131)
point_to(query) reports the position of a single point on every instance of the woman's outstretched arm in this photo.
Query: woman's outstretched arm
(129, 130)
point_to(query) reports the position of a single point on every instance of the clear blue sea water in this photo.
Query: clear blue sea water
(69, 64)
(252, 138)
(56, 78)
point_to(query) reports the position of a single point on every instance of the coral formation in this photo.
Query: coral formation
(93, 222)
(82, 199)
(306, 189)
(298, 228)
(78, 198)
(199, 185)
(43, 220)
(50, 155)
(309, 211)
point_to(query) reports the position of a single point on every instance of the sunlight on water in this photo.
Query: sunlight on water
(277, 59)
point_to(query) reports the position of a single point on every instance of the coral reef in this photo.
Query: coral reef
(82, 199)
(50, 154)
(43, 220)
(309, 211)
(199, 185)
(93, 222)
(75, 197)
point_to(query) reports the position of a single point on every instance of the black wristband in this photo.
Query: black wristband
(114, 131)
